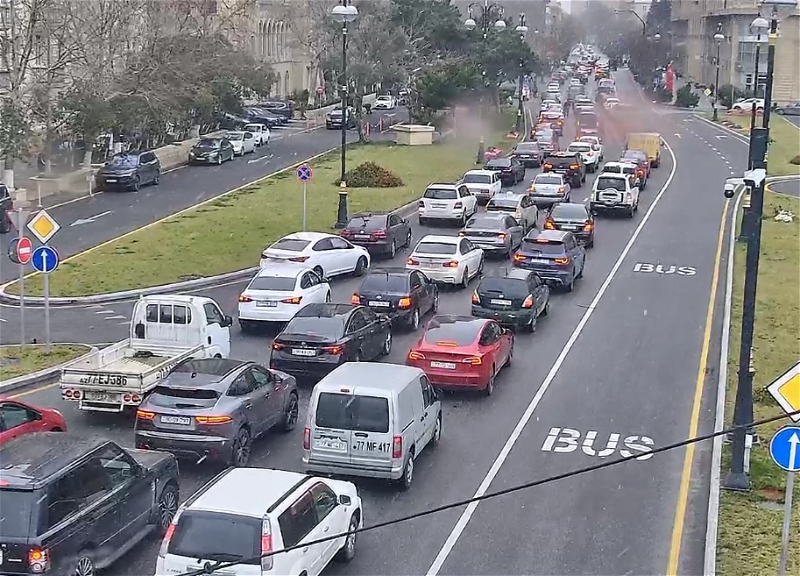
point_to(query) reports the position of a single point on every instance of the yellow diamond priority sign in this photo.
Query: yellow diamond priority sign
(43, 226)
(786, 390)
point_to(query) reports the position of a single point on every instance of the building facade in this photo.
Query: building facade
(694, 24)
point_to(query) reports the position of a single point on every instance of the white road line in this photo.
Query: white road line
(104, 312)
(118, 317)
(3, 320)
(461, 525)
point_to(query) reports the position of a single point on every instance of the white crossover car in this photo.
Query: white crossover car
(276, 293)
(484, 184)
(328, 255)
(260, 133)
(447, 202)
(447, 259)
(384, 102)
(243, 142)
(595, 141)
(589, 156)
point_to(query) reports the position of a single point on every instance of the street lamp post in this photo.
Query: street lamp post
(718, 38)
(344, 13)
(522, 30)
(760, 26)
(639, 18)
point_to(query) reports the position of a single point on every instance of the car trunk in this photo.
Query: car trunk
(270, 300)
(570, 224)
(497, 300)
(445, 359)
(380, 301)
(175, 410)
(301, 346)
(18, 527)
(485, 237)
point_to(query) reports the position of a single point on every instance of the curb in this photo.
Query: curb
(44, 375)
(188, 285)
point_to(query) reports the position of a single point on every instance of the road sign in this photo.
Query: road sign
(24, 249)
(786, 391)
(707, 92)
(43, 226)
(784, 448)
(320, 89)
(304, 172)
(45, 259)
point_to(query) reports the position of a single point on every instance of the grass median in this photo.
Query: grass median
(750, 524)
(785, 145)
(20, 360)
(228, 233)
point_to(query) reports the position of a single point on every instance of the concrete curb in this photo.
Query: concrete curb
(188, 285)
(42, 376)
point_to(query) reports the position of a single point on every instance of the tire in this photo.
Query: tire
(328, 298)
(157, 178)
(393, 250)
(348, 549)
(291, 414)
(465, 279)
(167, 508)
(437, 432)
(361, 267)
(580, 274)
(480, 268)
(413, 323)
(510, 360)
(219, 159)
(630, 212)
(571, 286)
(590, 243)
(531, 326)
(463, 220)
(435, 305)
(245, 325)
(84, 565)
(408, 240)
(546, 309)
(136, 184)
(241, 449)
(387, 344)
(490, 385)
(408, 472)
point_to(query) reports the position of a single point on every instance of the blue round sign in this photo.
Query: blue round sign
(785, 448)
(304, 172)
(45, 259)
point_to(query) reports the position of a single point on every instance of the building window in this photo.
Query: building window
(746, 53)
(286, 83)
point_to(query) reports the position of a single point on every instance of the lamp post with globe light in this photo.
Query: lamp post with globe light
(522, 30)
(718, 38)
(344, 13)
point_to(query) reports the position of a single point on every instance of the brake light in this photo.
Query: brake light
(640, 173)
(475, 298)
(292, 300)
(355, 299)
(502, 235)
(528, 303)
(412, 262)
(547, 166)
(298, 259)
(167, 538)
(561, 189)
(379, 234)
(243, 298)
(628, 198)
(448, 343)
(519, 257)
(266, 544)
(473, 361)
(532, 188)
(416, 355)
(213, 419)
(562, 260)
(421, 204)
(347, 233)
(458, 205)
(276, 346)
(574, 166)
(590, 154)
(38, 560)
(549, 225)
(397, 447)
(451, 264)
(462, 233)
(588, 227)
(333, 350)
(306, 438)
(145, 415)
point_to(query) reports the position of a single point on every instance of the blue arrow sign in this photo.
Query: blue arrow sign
(45, 259)
(304, 172)
(784, 448)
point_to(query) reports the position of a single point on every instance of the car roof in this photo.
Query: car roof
(443, 185)
(480, 172)
(512, 273)
(555, 235)
(213, 373)
(325, 309)
(440, 239)
(280, 270)
(31, 460)
(507, 196)
(183, 299)
(389, 271)
(376, 378)
(548, 174)
(619, 164)
(310, 236)
(368, 214)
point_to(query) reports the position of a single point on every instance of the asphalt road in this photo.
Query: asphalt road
(626, 363)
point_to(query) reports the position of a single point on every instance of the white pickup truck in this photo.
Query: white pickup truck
(165, 331)
(613, 192)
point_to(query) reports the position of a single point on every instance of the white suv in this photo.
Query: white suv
(244, 513)
(447, 202)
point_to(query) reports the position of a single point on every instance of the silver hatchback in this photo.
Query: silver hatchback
(494, 232)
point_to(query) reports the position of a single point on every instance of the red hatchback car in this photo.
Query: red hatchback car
(18, 419)
(462, 352)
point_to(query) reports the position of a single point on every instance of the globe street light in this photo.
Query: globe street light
(522, 30)
(343, 13)
(718, 38)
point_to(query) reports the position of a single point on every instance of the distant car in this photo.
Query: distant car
(642, 165)
(211, 151)
(384, 102)
(18, 418)
(463, 353)
(513, 297)
(242, 142)
(334, 119)
(575, 218)
(260, 132)
(283, 108)
(494, 233)
(555, 255)
(611, 102)
(510, 170)
(587, 152)
(447, 259)
(569, 164)
(402, 294)
(529, 154)
(328, 255)
(520, 206)
(546, 139)
(452, 202)
(483, 184)
(788, 109)
(549, 188)
(746, 105)
(595, 141)
(631, 169)
(214, 408)
(266, 117)
(128, 171)
(555, 120)
(381, 233)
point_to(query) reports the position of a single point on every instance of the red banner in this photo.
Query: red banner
(669, 78)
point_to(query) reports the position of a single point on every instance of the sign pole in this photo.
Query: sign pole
(304, 205)
(787, 523)
(21, 268)
(46, 281)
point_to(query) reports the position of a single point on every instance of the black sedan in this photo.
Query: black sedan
(529, 154)
(511, 170)
(575, 218)
(323, 336)
(404, 295)
(211, 151)
(515, 298)
(379, 232)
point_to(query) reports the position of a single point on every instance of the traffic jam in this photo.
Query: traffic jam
(505, 241)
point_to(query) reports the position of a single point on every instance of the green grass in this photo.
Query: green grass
(750, 532)
(785, 144)
(229, 233)
(18, 361)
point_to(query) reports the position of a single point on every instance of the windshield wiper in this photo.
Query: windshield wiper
(221, 557)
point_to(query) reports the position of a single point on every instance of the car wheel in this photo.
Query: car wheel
(136, 184)
(361, 267)
(413, 322)
(348, 550)
(435, 305)
(463, 219)
(219, 159)
(580, 274)
(408, 240)
(531, 327)
(328, 297)
(437, 431)
(590, 243)
(85, 564)
(167, 508)
(157, 178)
(490, 385)
(465, 279)
(571, 286)
(630, 213)
(546, 309)
(387, 344)
(241, 449)
(292, 411)
(408, 473)
(510, 359)
(393, 250)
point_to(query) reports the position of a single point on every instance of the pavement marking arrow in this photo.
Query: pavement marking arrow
(89, 220)
(721, 136)
(678, 135)
(254, 160)
(793, 442)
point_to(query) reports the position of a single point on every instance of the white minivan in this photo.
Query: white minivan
(371, 419)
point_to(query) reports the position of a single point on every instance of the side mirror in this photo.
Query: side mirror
(227, 321)
(345, 500)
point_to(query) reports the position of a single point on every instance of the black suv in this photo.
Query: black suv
(379, 232)
(516, 297)
(128, 171)
(333, 121)
(403, 295)
(511, 170)
(75, 505)
(570, 164)
(6, 204)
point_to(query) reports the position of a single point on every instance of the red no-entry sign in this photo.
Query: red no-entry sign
(24, 250)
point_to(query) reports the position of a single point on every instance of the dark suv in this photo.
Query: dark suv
(75, 505)
(555, 255)
(515, 297)
(128, 171)
(379, 232)
(6, 204)
(570, 164)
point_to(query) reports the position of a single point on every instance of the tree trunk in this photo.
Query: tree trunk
(358, 102)
(8, 172)
(48, 138)
(87, 156)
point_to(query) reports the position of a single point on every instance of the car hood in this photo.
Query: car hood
(116, 170)
(151, 459)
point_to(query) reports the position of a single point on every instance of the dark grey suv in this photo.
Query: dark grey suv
(214, 408)
(129, 171)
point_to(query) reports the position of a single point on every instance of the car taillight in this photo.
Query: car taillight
(355, 299)
(421, 204)
(416, 355)
(266, 545)
(519, 257)
(38, 560)
(379, 234)
(333, 350)
(562, 260)
(276, 346)
(347, 233)
(561, 189)
(131, 399)
(574, 166)
(145, 415)
(292, 300)
(588, 227)
(167, 538)
(628, 198)
(213, 419)
(473, 361)
(243, 298)
(306, 438)
(404, 302)
(475, 298)
(590, 154)
(298, 259)
(412, 262)
(397, 447)
(502, 235)
(532, 188)
(528, 303)
(640, 173)
(462, 233)
(451, 264)
(547, 166)
(549, 225)
(458, 205)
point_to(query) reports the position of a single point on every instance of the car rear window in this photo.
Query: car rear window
(276, 283)
(502, 204)
(547, 180)
(440, 194)
(499, 163)
(589, 120)
(458, 333)
(367, 223)
(579, 148)
(353, 412)
(291, 244)
(488, 221)
(208, 143)
(509, 287)
(547, 247)
(168, 397)
(435, 248)
(235, 137)
(385, 283)
(325, 328)
(218, 535)
(477, 179)
(570, 211)
(604, 183)
(16, 511)
(526, 148)
(561, 161)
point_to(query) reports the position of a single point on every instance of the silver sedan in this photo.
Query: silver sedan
(494, 232)
(242, 142)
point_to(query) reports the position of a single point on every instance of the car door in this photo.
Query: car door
(541, 293)
(322, 255)
(268, 397)
(17, 420)
(430, 410)
(419, 293)
(375, 331)
(298, 525)
(470, 255)
(313, 288)
(133, 492)
(331, 519)
(470, 201)
(491, 345)
(345, 255)
(399, 229)
(356, 332)
(578, 253)
(515, 230)
(218, 334)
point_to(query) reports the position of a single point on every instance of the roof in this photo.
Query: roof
(310, 236)
(30, 460)
(389, 270)
(361, 377)
(281, 271)
(367, 214)
(441, 239)
(325, 309)
(247, 491)
(480, 172)
(210, 366)
(443, 185)
(184, 299)
(557, 235)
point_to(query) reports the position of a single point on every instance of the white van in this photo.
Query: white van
(371, 419)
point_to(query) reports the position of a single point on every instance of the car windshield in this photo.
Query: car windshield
(561, 161)
(579, 148)
(290, 244)
(606, 183)
(541, 179)
(547, 247)
(635, 155)
(435, 248)
(123, 160)
(460, 333)
(440, 194)
(252, 128)
(477, 179)
(16, 512)
(367, 223)
(486, 222)
(217, 535)
(544, 135)
(235, 136)
(508, 287)
(274, 283)
(569, 212)
(385, 282)
(208, 143)
(352, 412)
(168, 397)
(328, 328)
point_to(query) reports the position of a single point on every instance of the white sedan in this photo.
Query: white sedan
(328, 255)
(276, 293)
(242, 142)
(746, 105)
(447, 259)
(384, 102)
(595, 141)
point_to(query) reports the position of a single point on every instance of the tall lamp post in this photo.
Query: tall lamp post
(522, 30)
(718, 38)
(759, 26)
(639, 18)
(344, 13)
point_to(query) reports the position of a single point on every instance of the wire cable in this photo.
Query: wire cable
(211, 567)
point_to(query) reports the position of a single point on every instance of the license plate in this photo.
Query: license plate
(303, 352)
(540, 261)
(329, 444)
(101, 396)
(439, 205)
(362, 236)
(447, 365)
(500, 302)
(266, 304)
(111, 180)
(379, 304)
(182, 420)
(524, 156)
(570, 227)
